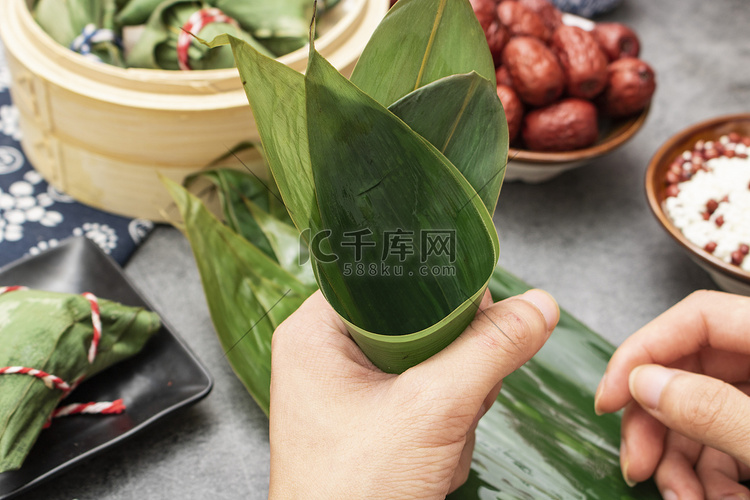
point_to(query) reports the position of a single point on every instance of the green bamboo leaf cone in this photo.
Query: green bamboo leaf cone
(376, 200)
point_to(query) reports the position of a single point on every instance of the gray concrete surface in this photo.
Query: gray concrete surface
(587, 237)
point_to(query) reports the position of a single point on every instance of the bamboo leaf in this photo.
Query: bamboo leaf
(281, 25)
(542, 439)
(234, 189)
(462, 116)
(286, 244)
(277, 97)
(418, 42)
(248, 294)
(66, 20)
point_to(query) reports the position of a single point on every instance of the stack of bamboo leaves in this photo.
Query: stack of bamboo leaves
(414, 143)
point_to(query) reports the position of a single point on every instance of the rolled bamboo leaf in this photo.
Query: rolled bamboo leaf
(52, 332)
(248, 293)
(418, 42)
(462, 117)
(373, 173)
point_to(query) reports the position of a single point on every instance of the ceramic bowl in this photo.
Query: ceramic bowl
(728, 277)
(538, 166)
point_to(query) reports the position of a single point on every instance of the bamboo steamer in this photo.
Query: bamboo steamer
(103, 134)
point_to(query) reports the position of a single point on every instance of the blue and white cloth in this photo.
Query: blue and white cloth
(90, 36)
(34, 216)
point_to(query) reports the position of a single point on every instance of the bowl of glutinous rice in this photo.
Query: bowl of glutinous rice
(698, 187)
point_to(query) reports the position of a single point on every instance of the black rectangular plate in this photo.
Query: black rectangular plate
(164, 377)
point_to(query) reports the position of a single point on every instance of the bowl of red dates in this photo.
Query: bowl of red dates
(572, 89)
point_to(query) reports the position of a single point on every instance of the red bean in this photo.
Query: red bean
(737, 258)
(711, 206)
(711, 153)
(710, 247)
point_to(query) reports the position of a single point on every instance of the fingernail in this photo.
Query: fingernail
(735, 496)
(670, 495)
(599, 390)
(546, 304)
(647, 383)
(625, 464)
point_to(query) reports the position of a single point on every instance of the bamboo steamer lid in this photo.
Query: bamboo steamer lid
(104, 134)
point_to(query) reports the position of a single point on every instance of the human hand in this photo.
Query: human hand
(683, 380)
(341, 428)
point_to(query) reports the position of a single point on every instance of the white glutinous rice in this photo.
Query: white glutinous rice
(712, 204)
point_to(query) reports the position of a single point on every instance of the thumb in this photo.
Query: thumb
(704, 409)
(501, 338)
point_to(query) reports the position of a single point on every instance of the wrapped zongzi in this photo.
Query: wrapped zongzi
(49, 343)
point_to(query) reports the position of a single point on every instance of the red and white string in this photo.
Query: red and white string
(101, 408)
(51, 381)
(195, 23)
(55, 382)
